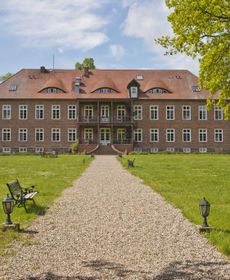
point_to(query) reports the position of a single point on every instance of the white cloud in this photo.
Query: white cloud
(117, 51)
(65, 24)
(147, 20)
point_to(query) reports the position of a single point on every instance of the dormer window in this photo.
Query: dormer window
(195, 88)
(52, 90)
(133, 88)
(13, 87)
(105, 90)
(158, 90)
(134, 92)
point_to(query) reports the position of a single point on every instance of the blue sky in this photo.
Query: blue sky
(117, 34)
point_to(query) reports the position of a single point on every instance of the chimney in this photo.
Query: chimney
(77, 84)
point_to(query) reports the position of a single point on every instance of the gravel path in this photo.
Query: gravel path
(110, 225)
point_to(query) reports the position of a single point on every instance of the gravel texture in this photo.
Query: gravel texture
(110, 225)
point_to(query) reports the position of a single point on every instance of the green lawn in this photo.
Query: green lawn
(50, 176)
(184, 180)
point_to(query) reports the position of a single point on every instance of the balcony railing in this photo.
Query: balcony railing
(104, 119)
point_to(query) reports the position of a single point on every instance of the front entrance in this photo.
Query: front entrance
(105, 136)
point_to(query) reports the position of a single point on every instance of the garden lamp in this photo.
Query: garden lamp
(204, 211)
(8, 205)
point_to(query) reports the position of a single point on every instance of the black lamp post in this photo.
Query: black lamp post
(204, 211)
(8, 205)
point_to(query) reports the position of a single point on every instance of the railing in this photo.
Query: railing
(88, 119)
(122, 142)
(104, 119)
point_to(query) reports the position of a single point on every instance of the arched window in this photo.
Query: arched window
(105, 90)
(52, 90)
(158, 90)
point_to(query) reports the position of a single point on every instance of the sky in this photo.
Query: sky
(117, 34)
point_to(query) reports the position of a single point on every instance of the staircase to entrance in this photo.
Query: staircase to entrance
(105, 150)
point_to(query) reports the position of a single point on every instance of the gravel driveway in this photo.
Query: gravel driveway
(110, 225)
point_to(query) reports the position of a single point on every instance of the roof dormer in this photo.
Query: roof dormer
(133, 88)
(53, 85)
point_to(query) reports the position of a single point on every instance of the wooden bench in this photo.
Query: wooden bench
(21, 195)
(131, 162)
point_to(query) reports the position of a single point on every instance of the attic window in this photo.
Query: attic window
(13, 87)
(158, 90)
(195, 88)
(104, 90)
(140, 77)
(52, 90)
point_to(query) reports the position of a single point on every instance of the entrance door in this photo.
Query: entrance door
(105, 136)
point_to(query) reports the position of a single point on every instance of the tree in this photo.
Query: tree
(5, 77)
(202, 29)
(88, 63)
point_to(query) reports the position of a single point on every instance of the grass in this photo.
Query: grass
(50, 177)
(183, 180)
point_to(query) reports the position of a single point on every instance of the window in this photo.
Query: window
(52, 90)
(137, 112)
(6, 112)
(6, 134)
(158, 90)
(121, 112)
(218, 135)
(203, 150)
(39, 150)
(6, 150)
(170, 135)
(72, 112)
(218, 114)
(195, 88)
(154, 115)
(170, 112)
(39, 112)
(23, 112)
(153, 150)
(88, 134)
(186, 135)
(56, 112)
(154, 135)
(72, 134)
(56, 135)
(13, 87)
(88, 112)
(202, 112)
(134, 92)
(203, 137)
(170, 149)
(121, 134)
(22, 150)
(39, 134)
(105, 90)
(138, 135)
(22, 134)
(187, 150)
(186, 113)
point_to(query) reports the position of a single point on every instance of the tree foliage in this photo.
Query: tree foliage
(202, 29)
(5, 77)
(88, 63)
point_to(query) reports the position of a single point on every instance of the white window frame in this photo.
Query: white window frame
(121, 134)
(154, 112)
(134, 92)
(186, 150)
(22, 135)
(39, 150)
(72, 112)
(56, 112)
(170, 112)
(39, 110)
(6, 112)
(203, 150)
(153, 150)
(202, 113)
(23, 112)
(22, 150)
(40, 133)
(218, 114)
(6, 132)
(121, 112)
(154, 135)
(218, 135)
(138, 135)
(88, 111)
(186, 113)
(170, 149)
(137, 112)
(186, 132)
(170, 132)
(88, 134)
(72, 134)
(56, 135)
(202, 132)
(6, 150)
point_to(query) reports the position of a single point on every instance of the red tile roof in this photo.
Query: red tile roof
(30, 82)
